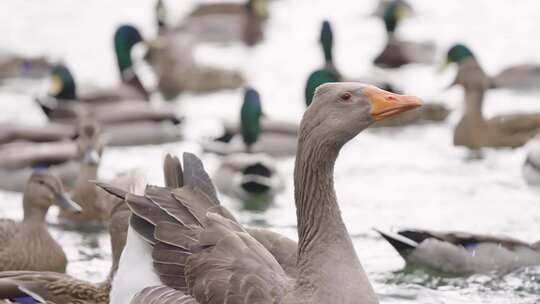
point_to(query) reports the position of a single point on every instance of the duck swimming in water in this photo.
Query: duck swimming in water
(473, 130)
(255, 133)
(523, 77)
(461, 253)
(398, 52)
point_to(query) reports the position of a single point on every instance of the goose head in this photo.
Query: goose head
(317, 78)
(125, 38)
(395, 12)
(45, 189)
(258, 8)
(62, 83)
(250, 116)
(327, 42)
(340, 111)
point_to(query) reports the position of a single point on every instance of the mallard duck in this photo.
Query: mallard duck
(227, 22)
(27, 245)
(50, 132)
(251, 178)
(13, 66)
(60, 288)
(398, 52)
(531, 166)
(461, 253)
(382, 6)
(17, 160)
(431, 112)
(186, 226)
(473, 130)
(125, 122)
(177, 70)
(519, 77)
(254, 134)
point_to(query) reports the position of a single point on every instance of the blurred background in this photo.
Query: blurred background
(428, 182)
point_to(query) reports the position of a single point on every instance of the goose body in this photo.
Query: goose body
(178, 71)
(251, 178)
(60, 288)
(221, 261)
(460, 253)
(473, 130)
(27, 245)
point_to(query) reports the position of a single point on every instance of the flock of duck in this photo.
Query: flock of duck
(176, 243)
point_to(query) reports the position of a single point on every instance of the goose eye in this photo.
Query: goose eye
(346, 96)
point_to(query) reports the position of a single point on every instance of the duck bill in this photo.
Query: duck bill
(385, 104)
(63, 202)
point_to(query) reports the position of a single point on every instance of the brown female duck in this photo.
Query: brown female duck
(14, 66)
(27, 245)
(473, 130)
(59, 288)
(185, 237)
(227, 22)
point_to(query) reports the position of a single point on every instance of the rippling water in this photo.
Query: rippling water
(410, 177)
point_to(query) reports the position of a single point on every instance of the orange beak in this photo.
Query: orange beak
(385, 104)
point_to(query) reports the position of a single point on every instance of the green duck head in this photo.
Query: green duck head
(394, 13)
(258, 8)
(458, 53)
(318, 78)
(125, 37)
(250, 116)
(327, 41)
(62, 83)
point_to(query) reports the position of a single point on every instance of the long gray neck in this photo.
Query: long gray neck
(328, 267)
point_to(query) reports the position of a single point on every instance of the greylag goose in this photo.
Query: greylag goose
(519, 77)
(255, 133)
(398, 52)
(60, 288)
(461, 253)
(473, 130)
(27, 245)
(182, 239)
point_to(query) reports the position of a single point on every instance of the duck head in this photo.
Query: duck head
(327, 42)
(250, 116)
(317, 78)
(258, 8)
(340, 111)
(43, 190)
(125, 38)
(62, 83)
(89, 144)
(394, 13)
(458, 53)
